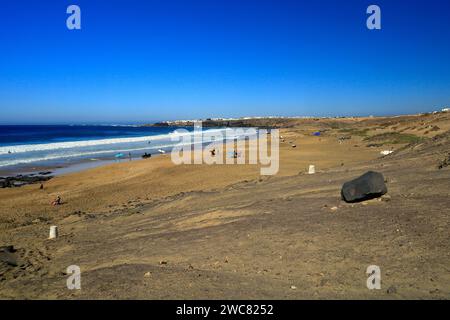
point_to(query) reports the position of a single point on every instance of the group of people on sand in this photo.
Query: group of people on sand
(235, 153)
(57, 201)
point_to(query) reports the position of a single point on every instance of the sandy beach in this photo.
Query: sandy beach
(149, 229)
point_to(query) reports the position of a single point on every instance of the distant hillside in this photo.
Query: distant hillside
(247, 122)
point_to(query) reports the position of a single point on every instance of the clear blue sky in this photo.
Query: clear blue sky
(138, 61)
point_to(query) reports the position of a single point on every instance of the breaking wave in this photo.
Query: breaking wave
(90, 143)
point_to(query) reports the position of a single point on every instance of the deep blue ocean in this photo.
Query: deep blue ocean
(34, 134)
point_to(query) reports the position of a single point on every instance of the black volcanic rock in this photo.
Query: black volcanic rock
(7, 256)
(368, 186)
(21, 180)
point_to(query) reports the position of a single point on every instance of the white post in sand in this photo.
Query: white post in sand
(312, 169)
(53, 232)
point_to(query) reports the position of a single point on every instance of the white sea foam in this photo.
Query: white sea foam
(13, 162)
(87, 143)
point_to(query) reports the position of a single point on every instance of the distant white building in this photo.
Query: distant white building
(445, 110)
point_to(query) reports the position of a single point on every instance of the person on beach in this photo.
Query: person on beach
(57, 201)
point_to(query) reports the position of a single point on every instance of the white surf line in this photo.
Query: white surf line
(89, 143)
(82, 154)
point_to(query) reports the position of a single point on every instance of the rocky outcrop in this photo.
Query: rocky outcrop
(21, 180)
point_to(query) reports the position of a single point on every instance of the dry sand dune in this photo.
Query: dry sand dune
(153, 230)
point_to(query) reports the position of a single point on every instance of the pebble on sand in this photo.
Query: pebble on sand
(391, 290)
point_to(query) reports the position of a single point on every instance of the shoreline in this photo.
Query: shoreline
(57, 170)
(80, 164)
(65, 163)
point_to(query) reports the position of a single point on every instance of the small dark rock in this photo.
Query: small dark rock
(368, 186)
(391, 290)
(434, 291)
(7, 256)
(4, 183)
(19, 183)
(7, 249)
(374, 145)
(444, 163)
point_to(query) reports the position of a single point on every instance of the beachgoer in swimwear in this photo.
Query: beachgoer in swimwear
(57, 201)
